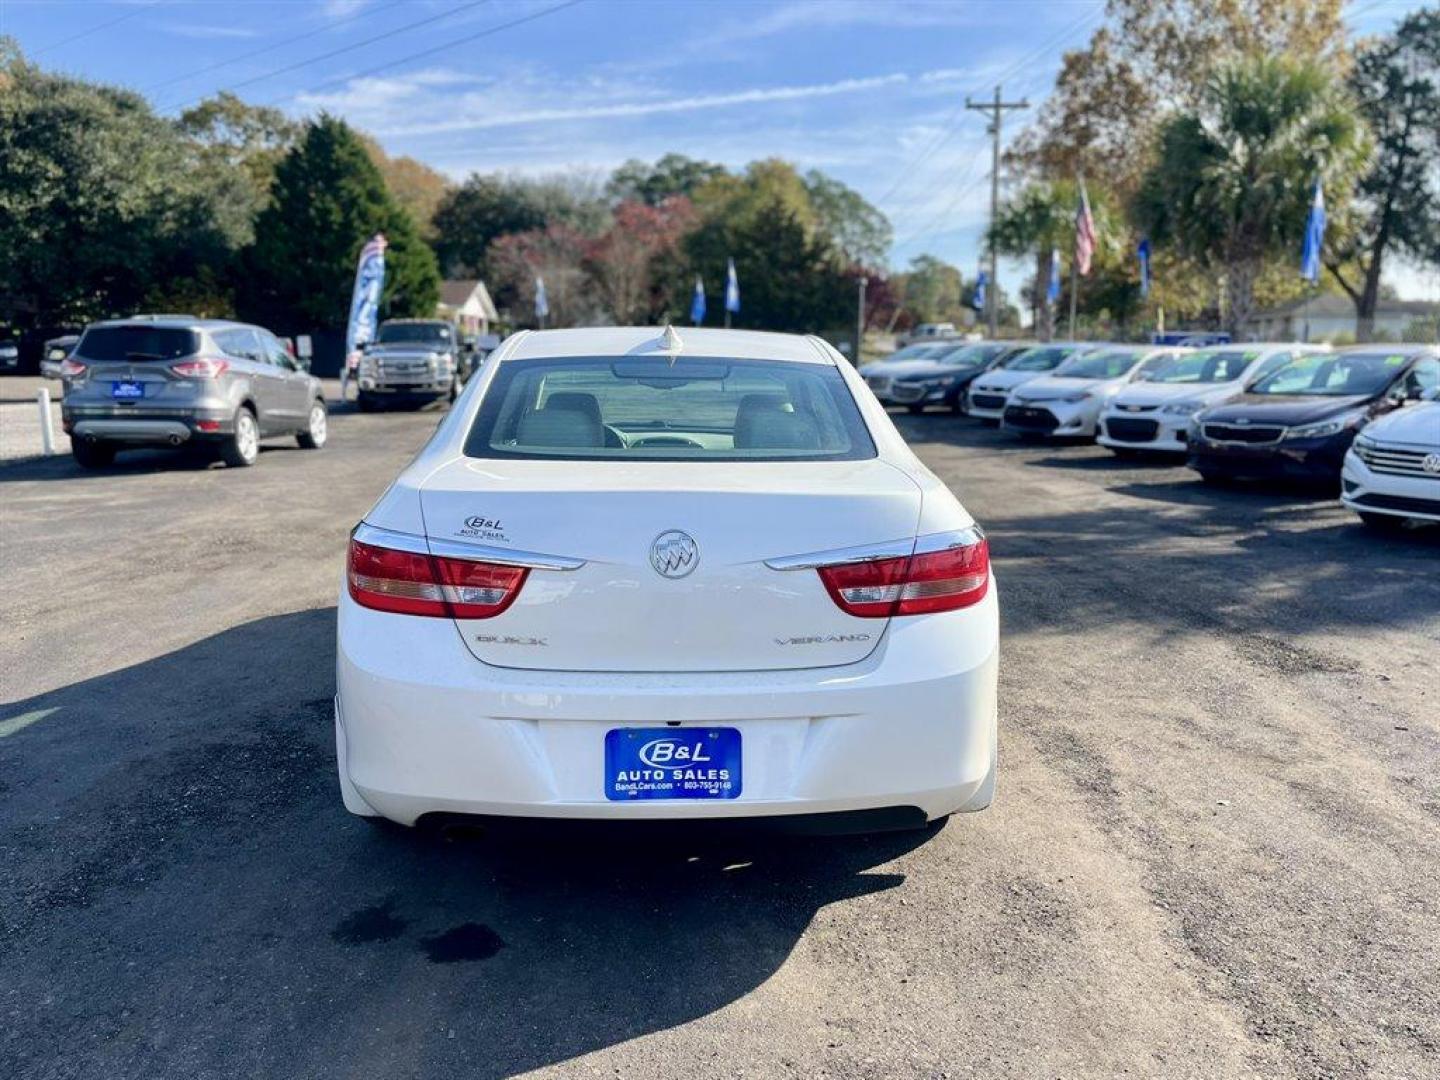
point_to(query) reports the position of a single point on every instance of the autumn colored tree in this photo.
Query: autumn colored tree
(415, 186)
(1150, 59)
(624, 263)
(555, 253)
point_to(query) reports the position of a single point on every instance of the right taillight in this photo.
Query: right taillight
(928, 581)
(412, 583)
(72, 369)
(205, 367)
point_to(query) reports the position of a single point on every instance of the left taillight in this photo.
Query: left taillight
(412, 583)
(947, 579)
(71, 368)
(205, 367)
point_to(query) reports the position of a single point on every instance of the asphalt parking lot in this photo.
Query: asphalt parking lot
(1214, 852)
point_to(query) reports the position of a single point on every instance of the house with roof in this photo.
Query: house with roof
(467, 304)
(1325, 318)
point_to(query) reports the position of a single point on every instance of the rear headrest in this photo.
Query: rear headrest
(768, 422)
(553, 426)
(576, 400)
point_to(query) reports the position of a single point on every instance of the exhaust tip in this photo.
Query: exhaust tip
(175, 440)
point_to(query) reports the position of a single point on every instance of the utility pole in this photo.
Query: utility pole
(996, 109)
(860, 320)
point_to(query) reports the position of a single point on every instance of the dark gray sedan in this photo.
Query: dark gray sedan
(175, 381)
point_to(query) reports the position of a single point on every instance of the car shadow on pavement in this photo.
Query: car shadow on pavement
(1246, 565)
(184, 893)
(1190, 490)
(1099, 459)
(128, 463)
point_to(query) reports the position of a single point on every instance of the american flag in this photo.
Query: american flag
(376, 245)
(1084, 233)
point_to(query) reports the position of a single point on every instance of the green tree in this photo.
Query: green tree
(102, 203)
(1035, 222)
(328, 199)
(860, 233)
(1396, 81)
(232, 136)
(472, 216)
(1232, 181)
(672, 175)
(930, 290)
(790, 276)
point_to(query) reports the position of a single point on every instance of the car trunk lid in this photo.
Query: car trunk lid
(644, 601)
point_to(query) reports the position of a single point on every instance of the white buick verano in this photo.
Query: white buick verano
(638, 577)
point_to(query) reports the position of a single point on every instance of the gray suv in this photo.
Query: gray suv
(175, 381)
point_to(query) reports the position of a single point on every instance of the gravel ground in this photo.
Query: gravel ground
(1214, 854)
(20, 417)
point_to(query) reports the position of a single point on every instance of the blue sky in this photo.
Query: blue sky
(871, 91)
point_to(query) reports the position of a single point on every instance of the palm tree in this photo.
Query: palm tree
(1041, 219)
(1232, 182)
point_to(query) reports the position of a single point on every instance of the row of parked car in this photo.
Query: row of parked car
(1364, 419)
(224, 386)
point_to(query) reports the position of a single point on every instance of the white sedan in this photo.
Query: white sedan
(1392, 469)
(988, 394)
(1154, 412)
(1068, 403)
(635, 577)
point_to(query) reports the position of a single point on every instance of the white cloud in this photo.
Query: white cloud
(208, 30)
(388, 105)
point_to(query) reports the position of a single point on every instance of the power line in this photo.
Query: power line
(355, 45)
(364, 13)
(93, 30)
(948, 127)
(452, 43)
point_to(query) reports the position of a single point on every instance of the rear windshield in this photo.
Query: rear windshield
(650, 409)
(131, 343)
(430, 333)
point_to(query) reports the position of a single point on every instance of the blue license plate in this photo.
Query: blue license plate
(127, 390)
(672, 763)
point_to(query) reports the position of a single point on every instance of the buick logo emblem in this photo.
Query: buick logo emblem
(1431, 464)
(674, 554)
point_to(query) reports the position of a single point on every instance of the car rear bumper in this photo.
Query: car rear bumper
(171, 430)
(1366, 491)
(424, 728)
